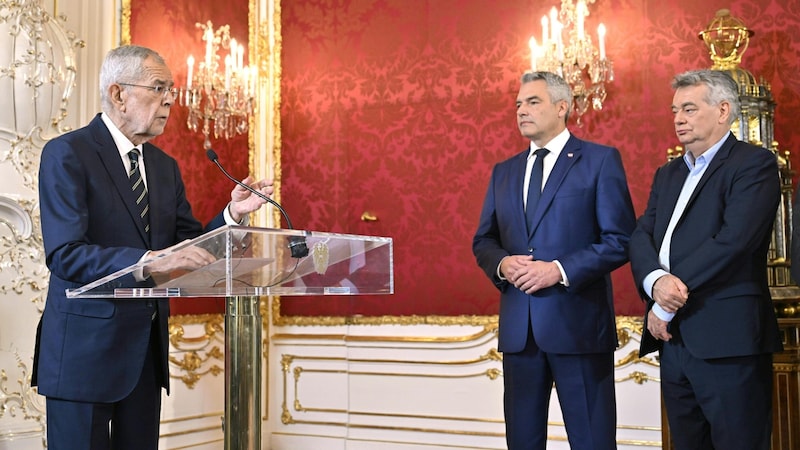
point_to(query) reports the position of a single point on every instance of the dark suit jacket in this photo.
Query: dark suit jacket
(719, 250)
(93, 349)
(584, 220)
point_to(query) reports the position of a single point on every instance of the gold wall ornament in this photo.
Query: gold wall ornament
(37, 75)
(24, 402)
(198, 354)
(321, 256)
(726, 38)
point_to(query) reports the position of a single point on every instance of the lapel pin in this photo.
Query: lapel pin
(569, 155)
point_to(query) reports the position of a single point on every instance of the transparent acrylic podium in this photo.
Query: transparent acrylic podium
(253, 262)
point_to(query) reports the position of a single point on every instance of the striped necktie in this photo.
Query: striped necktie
(139, 189)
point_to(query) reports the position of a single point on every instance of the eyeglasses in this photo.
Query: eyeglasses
(162, 90)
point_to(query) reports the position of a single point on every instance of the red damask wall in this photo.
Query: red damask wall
(401, 107)
(169, 28)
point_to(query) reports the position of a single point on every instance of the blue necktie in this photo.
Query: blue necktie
(535, 185)
(138, 188)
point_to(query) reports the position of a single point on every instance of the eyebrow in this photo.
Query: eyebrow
(527, 99)
(683, 105)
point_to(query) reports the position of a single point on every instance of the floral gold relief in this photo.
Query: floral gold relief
(201, 354)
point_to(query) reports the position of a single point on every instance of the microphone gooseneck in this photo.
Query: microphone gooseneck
(297, 244)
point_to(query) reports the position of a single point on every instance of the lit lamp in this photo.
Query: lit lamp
(567, 49)
(219, 91)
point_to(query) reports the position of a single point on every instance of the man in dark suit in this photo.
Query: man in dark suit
(101, 363)
(552, 267)
(699, 257)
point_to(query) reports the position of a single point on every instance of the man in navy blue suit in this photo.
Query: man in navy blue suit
(102, 363)
(555, 223)
(699, 258)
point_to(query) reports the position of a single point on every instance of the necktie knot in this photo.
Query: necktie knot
(541, 152)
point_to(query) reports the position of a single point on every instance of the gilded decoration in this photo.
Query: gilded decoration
(25, 402)
(202, 353)
(22, 254)
(298, 408)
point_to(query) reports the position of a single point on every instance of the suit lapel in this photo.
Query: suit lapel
(716, 163)
(516, 184)
(566, 159)
(713, 166)
(108, 154)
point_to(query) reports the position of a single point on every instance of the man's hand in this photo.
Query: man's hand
(670, 293)
(163, 262)
(528, 275)
(244, 202)
(657, 327)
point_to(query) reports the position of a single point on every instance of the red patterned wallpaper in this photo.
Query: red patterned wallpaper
(169, 28)
(401, 107)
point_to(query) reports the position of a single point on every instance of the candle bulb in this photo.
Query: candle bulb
(580, 11)
(235, 54)
(228, 73)
(545, 33)
(190, 64)
(534, 53)
(209, 38)
(601, 39)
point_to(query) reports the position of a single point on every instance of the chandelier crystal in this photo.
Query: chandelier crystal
(220, 93)
(567, 49)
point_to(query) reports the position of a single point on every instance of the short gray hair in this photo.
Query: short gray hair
(721, 88)
(556, 87)
(124, 65)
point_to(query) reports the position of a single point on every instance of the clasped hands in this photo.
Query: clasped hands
(671, 294)
(529, 275)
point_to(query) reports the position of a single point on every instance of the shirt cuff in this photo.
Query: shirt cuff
(229, 219)
(663, 315)
(500, 274)
(564, 279)
(650, 280)
(138, 274)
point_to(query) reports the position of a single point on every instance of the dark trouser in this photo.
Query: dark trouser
(129, 424)
(585, 387)
(716, 404)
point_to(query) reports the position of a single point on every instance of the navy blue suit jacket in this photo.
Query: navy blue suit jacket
(93, 350)
(719, 250)
(584, 219)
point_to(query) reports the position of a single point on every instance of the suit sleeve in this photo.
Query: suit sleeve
(644, 249)
(486, 245)
(614, 219)
(72, 252)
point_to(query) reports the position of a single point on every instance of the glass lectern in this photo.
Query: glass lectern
(253, 262)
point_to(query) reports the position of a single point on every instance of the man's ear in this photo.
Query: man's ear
(724, 111)
(117, 95)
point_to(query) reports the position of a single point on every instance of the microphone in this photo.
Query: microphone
(297, 244)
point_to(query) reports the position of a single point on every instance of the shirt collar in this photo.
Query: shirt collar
(555, 145)
(124, 145)
(707, 155)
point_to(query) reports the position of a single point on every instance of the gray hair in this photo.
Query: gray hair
(124, 65)
(721, 88)
(556, 87)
